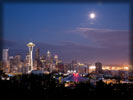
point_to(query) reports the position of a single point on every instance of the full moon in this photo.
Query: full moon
(92, 15)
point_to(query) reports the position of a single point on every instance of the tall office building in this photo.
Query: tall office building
(18, 63)
(26, 63)
(48, 59)
(5, 55)
(37, 59)
(98, 66)
(74, 64)
(5, 60)
(131, 70)
(43, 61)
(48, 56)
(56, 59)
(37, 51)
(11, 60)
(27, 58)
(30, 46)
(17, 58)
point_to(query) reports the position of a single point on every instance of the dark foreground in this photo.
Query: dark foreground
(49, 88)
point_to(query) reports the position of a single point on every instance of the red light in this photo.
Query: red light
(75, 74)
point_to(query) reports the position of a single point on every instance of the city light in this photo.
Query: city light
(66, 51)
(75, 74)
(92, 67)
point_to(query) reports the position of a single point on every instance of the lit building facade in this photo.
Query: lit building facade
(98, 66)
(5, 60)
(5, 55)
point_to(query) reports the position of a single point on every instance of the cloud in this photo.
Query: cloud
(113, 47)
(104, 37)
(111, 39)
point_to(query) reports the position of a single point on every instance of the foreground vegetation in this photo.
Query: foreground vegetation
(50, 88)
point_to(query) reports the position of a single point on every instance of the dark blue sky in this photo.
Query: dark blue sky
(65, 28)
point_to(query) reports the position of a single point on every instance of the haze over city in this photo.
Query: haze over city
(68, 30)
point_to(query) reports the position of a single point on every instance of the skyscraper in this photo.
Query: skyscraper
(37, 51)
(26, 63)
(11, 60)
(131, 70)
(48, 59)
(30, 45)
(5, 60)
(48, 55)
(18, 63)
(5, 55)
(98, 67)
(56, 59)
(37, 59)
(43, 61)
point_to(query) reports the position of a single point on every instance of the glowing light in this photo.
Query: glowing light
(48, 52)
(80, 64)
(75, 74)
(92, 15)
(92, 67)
(126, 68)
(56, 56)
(116, 68)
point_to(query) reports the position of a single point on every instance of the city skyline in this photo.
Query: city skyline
(69, 32)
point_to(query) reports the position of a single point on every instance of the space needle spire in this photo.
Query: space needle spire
(30, 46)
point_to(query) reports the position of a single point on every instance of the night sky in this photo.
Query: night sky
(67, 30)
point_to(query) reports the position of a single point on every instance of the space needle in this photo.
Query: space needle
(30, 46)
